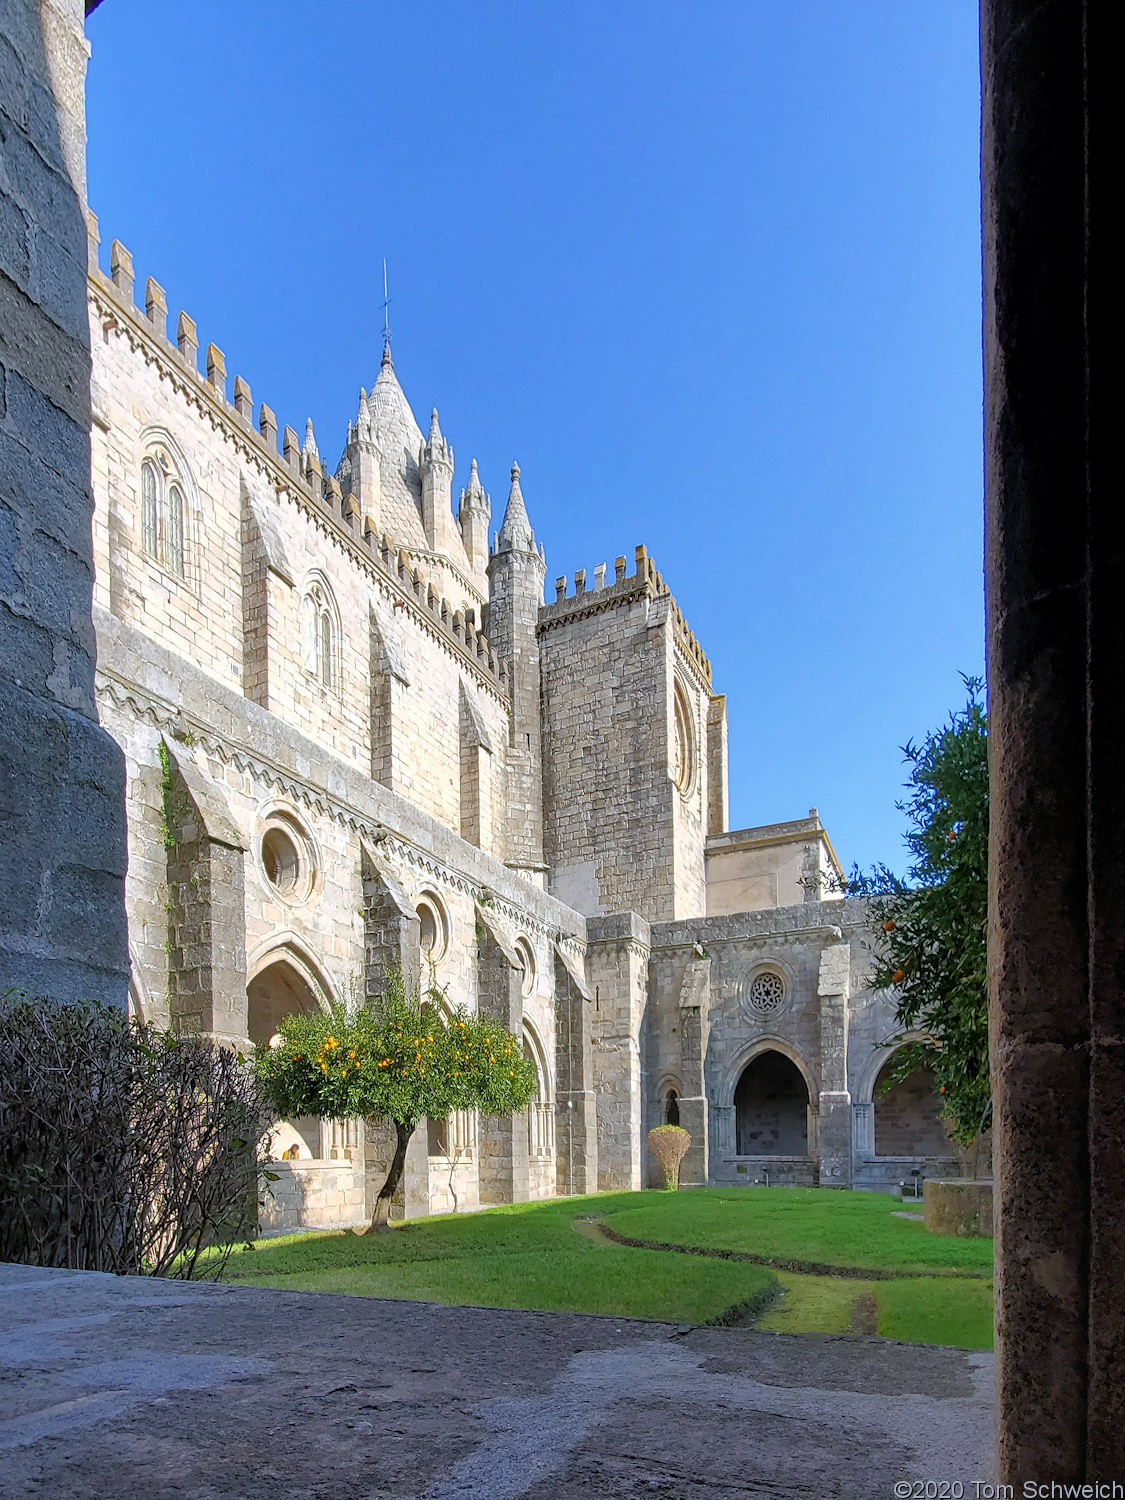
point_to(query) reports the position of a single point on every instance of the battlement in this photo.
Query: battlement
(297, 468)
(645, 580)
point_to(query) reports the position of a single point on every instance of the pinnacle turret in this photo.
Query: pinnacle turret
(516, 534)
(436, 450)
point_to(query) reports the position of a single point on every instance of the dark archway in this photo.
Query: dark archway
(908, 1116)
(671, 1108)
(771, 1108)
(278, 991)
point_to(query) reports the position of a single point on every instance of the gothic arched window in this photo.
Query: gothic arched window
(175, 548)
(321, 633)
(162, 512)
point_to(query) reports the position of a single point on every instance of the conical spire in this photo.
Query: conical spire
(473, 493)
(516, 534)
(310, 440)
(435, 427)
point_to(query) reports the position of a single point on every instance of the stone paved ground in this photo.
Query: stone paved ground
(129, 1387)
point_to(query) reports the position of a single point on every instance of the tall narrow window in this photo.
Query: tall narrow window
(326, 648)
(148, 508)
(175, 557)
(321, 632)
(163, 520)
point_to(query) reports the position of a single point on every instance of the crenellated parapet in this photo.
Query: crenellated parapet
(595, 594)
(296, 472)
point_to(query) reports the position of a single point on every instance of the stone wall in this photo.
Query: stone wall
(258, 537)
(62, 822)
(619, 834)
(311, 1195)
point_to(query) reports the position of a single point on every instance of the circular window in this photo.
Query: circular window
(683, 760)
(433, 929)
(765, 994)
(526, 955)
(287, 858)
(282, 860)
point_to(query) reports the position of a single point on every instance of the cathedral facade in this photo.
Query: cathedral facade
(358, 737)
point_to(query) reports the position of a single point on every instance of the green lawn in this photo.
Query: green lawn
(527, 1255)
(811, 1224)
(531, 1256)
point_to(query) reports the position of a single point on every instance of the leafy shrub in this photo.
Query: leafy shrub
(669, 1144)
(122, 1148)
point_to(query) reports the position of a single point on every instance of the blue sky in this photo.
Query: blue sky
(710, 272)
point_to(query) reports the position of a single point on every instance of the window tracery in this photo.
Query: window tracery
(321, 633)
(162, 512)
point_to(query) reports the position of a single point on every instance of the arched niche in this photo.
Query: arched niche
(283, 987)
(908, 1115)
(771, 1107)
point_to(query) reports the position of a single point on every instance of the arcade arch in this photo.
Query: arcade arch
(908, 1115)
(771, 1107)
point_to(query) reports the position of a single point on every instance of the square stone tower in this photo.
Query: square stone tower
(634, 748)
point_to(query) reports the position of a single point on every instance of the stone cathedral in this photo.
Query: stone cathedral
(358, 737)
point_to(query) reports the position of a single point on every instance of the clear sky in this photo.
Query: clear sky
(710, 271)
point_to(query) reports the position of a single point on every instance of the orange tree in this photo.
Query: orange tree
(400, 1058)
(930, 929)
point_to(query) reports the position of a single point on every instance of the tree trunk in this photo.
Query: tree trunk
(404, 1129)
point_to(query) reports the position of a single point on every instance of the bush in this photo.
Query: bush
(669, 1144)
(122, 1148)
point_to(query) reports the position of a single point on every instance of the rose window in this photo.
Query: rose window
(767, 993)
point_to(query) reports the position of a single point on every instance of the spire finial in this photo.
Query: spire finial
(310, 438)
(386, 317)
(515, 472)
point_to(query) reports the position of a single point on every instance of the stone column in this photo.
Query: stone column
(1055, 478)
(576, 1133)
(390, 929)
(695, 998)
(502, 1139)
(834, 1128)
(62, 779)
(206, 903)
(619, 947)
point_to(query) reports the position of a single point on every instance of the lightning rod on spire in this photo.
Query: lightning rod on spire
(386, 311)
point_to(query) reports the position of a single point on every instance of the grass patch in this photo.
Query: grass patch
(919, 1311)
(808, 1224)
(530, 1255)
(937, 1312)
(519, 1256)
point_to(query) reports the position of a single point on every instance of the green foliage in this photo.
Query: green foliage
(931, 928)
(398, 1059)
(167, 835)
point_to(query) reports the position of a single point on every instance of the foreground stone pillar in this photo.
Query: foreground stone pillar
(62, 779)
(1054, 333)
